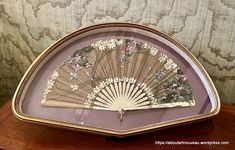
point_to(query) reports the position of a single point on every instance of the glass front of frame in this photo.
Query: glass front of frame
(117, 78)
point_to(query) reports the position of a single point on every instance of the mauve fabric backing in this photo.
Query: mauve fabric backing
(108, 119)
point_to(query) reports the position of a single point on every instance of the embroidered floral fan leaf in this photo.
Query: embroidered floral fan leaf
(117, 75)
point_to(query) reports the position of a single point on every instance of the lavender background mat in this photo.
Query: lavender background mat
(30, 102)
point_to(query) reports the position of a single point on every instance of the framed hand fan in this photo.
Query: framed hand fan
(116, 79)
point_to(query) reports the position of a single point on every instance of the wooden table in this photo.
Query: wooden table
(16, 134)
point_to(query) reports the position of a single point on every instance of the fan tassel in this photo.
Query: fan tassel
(121, 112)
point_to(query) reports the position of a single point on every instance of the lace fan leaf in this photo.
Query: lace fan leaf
(118, 74)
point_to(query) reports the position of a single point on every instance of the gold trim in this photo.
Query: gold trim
(20, 115)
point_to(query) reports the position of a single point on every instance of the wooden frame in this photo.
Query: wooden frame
(21, 115)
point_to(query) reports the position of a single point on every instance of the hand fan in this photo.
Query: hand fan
(118, 75)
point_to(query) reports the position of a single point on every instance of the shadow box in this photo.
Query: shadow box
(115, 79)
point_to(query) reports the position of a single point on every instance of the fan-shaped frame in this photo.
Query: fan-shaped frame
(20, 103)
